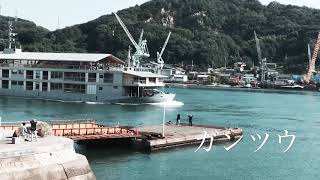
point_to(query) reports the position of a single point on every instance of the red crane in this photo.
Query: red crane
(312, 64)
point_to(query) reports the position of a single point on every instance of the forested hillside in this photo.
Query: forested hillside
(205, 31)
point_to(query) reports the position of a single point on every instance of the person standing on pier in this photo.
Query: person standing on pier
(190, 119)
(178, 119)
(24, 131)
(33, 129)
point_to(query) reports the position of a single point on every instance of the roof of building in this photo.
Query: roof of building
(40, 56)
(144, 74)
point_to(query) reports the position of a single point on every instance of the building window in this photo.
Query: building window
(100, 88)
(115, 87)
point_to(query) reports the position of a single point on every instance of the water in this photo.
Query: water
(256, 113)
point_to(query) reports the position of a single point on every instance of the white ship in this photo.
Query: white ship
(78, 77)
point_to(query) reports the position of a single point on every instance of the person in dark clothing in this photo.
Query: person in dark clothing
(33, 130)
(190, 119)
(178, 119)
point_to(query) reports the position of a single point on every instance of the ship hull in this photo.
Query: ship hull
(159, 98)
(75, 97)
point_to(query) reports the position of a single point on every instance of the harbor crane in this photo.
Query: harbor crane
(160, 61)
(262, 61)
(312, 63)
(140, 47)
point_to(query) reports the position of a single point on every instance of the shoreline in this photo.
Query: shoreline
(262, 90)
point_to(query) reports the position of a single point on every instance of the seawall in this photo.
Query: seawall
(50, 158)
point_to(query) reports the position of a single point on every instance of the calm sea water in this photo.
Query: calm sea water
(256, 113)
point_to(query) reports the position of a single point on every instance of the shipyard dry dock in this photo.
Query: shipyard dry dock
(182, 135)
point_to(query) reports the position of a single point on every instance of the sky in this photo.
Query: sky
(55, 14)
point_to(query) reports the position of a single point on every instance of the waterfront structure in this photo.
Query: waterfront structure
(173, 74)
(77, 77)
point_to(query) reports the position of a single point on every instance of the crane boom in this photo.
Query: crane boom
(257, 46)
(141, 38)
(259, 57)
(312, 63)
(164, 46)
(127, 32)
(309, 53)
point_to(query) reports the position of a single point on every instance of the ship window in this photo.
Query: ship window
(108, 78)
(29, 74)
(45, 75)
(44, 86)
(75, 88)
(56, 86)
(56, 75)
(37, 74)
(5, 73)
(37, 86)
(92, 77)
(16, 83)
(5, 84)
(29, 85)
(152, 80)
(74, 76)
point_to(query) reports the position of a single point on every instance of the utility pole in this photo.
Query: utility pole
(163, 119)
(192, 65)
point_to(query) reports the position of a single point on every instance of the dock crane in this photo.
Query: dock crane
(312, 63)
(160, 61)
(141, 47)
(261, 61)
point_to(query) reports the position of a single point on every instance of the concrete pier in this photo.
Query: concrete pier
(50, 157)
(182, 135)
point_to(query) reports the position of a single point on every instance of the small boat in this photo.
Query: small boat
(292, 87)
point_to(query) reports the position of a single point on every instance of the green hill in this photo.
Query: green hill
(205, 31)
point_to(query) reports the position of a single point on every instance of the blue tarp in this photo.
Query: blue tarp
(299, 78)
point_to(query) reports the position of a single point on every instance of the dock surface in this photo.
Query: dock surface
(185, 135)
